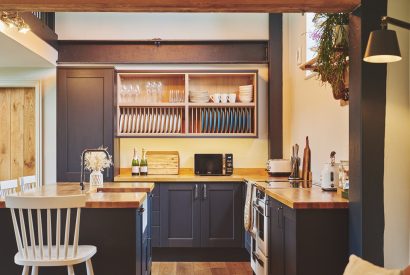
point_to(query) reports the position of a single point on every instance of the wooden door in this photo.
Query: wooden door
(17, 133)
(180, 215)
(221, 215)
(84, 117)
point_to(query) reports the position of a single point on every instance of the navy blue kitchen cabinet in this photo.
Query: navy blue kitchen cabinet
(85, 100)
(221, 215)
(201, 215)
(307, 241)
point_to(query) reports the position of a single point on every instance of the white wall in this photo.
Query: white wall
(47, 76)
(309, 107)
(397, 149)
(178, 26)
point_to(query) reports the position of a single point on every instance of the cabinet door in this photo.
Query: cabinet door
(221, 215)
(276, 239)
(290, 242)
(84, 115)
(180, 215)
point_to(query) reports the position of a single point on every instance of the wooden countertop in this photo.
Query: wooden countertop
(297, 198)
(187, 175)
(94, 199)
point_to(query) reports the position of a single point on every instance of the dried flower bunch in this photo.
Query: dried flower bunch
(97, 161)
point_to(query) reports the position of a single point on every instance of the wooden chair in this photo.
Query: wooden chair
(8, 187)
(27, 183)
(40, 254)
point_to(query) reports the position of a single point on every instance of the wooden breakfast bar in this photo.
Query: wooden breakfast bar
(117, 223)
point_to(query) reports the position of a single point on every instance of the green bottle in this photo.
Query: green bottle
(135, 166)
(144, 164)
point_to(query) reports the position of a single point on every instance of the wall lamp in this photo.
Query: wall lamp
(14, 20)
(383, 46)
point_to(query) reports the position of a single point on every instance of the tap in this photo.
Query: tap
(82, 175)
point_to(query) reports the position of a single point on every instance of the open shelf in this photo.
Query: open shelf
(171, 114)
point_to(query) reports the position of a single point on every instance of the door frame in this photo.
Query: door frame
(38, 113)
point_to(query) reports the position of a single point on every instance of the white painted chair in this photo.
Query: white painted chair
(27, 183)
(40, 254)
(8, 187)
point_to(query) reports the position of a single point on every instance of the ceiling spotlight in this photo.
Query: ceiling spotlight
(383, 46)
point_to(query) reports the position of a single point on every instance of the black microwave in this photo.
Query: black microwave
(213, 164)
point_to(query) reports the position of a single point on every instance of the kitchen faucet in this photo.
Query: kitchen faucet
(82, 175)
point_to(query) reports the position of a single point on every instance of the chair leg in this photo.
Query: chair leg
(70, 270)
(25, 270)
(89, 267)
(34, 270)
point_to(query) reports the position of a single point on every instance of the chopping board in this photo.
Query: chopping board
(163, 162)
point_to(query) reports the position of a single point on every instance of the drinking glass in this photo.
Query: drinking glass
(148, 91)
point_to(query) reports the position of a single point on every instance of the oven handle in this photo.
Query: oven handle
(256, 257)
(259, 209)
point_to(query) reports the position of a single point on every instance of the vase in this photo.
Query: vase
(96, 178)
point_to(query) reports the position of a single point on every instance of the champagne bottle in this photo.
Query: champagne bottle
(144, 164)
(135, 166)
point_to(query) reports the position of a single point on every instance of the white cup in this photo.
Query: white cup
(232, 98)
(224, 98)
(216, 98)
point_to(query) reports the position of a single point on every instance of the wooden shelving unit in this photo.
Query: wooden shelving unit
(142, 111)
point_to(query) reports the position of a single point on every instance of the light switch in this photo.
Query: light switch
(299, 56)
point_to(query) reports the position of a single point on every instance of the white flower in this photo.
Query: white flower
(97, 161)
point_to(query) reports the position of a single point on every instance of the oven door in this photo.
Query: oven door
(259, 263)
(262, 226)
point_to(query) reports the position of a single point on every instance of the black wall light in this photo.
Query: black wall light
(383, 46)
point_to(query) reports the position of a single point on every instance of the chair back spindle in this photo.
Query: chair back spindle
(26, 228)
(8, 187)
(28, 182)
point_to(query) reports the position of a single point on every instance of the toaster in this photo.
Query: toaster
(279, 167)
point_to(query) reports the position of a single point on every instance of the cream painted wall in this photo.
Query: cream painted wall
(310, 109)
(248, 152)
(397, 148)
(180, 26)
(47, 76)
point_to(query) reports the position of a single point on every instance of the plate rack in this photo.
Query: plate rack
(137, 121)
(221, 121)
(171, 114)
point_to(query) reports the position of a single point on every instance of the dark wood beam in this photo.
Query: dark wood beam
(163, 52)
(274, 6)
(367, 112)
(275, 95)
(40, 29)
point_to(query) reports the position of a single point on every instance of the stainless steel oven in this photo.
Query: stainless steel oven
(260, 241)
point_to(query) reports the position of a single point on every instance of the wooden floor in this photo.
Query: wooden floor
(201, 268)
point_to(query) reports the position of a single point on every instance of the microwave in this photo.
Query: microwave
(213, 164)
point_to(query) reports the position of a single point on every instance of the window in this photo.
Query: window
(310, 41)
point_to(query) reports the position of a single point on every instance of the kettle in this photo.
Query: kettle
(329, 177)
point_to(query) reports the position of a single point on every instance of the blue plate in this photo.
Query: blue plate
(219, 121)
(202, 121)
(244, 125)
(239, 121)
(235, 124)
(249, 121)
(215, 121)
(223, 121)
(230, 121)
(210, 121)
(206, 121)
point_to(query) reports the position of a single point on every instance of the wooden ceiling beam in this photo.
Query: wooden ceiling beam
(265, 6)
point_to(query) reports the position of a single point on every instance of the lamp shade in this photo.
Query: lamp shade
(382, 47)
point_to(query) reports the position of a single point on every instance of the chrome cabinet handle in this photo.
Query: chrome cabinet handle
(196, 191)
(205, 196)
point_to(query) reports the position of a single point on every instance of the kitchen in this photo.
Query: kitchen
(248, 152)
